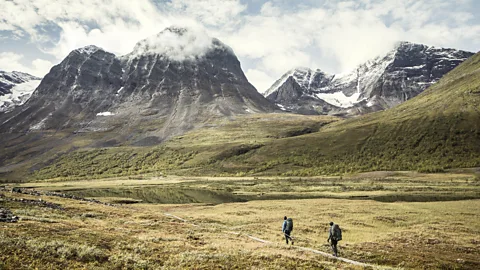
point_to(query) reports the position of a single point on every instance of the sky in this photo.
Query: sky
(268, 37)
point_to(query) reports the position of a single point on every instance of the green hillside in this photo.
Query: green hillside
(75, 156)
(439, 129)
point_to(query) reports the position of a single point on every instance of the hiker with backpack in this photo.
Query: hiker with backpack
(287, 228)
(334, 235)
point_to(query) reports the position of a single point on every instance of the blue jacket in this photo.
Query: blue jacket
(284, 225)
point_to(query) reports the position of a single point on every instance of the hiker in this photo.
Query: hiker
(334, 235)
(287, 228)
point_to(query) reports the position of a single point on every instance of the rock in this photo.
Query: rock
(42, 202)
(432, 241)
(7, 216)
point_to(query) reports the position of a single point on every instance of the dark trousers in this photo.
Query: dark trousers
(333, 243)
(287, 236)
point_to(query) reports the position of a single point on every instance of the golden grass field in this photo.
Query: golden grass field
(440, 232)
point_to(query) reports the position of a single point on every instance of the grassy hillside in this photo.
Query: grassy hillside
(437, 130)
(193, 153)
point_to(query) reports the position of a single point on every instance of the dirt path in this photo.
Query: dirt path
(297, 247)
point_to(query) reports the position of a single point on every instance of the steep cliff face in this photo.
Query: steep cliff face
(378, 84)
(169, 83)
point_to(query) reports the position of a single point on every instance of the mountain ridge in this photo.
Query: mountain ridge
(377, 84)
(433, 132)
(166, 84)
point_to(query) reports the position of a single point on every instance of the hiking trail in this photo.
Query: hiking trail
(297, 247)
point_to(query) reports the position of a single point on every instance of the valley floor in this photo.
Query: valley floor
(204, 223)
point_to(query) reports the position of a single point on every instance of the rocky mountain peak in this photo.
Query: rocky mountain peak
(305, 77)
(407, 45)
(170, 83)
(380, 83)
(87, 50)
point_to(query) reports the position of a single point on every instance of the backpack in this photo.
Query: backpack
(289, 224)
(337, 233)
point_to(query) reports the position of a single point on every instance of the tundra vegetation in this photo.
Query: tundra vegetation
(399, 220)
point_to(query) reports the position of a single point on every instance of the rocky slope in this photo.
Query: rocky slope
(169, 83)
(381, 83)
(16, 88)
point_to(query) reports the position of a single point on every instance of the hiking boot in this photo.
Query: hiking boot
(292, 242)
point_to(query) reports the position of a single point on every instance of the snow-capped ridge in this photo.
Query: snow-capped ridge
(90, 49)
(303, 76)
(16, 88)
(382, 82)
(16, 77)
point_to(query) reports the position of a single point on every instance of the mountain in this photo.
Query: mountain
(436, 130)
(15, 88)
(171, 82)
(378, 84)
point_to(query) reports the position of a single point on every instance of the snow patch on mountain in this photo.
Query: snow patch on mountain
(339, 99)
(40, 124)
(90, 49)
(105, 114)
(18, 95)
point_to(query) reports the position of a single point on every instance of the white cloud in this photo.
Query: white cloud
(338, 36)
(115, 25)
(259, 79)
(269, 9)
(177, 43)
(210, 12)
(281, 62)
(13, 62)
(334, 36)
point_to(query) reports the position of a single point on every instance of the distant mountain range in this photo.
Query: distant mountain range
(180, 87)
(168, 84)
(378, 84)
(16, 88)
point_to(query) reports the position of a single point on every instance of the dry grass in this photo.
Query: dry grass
(411, 235)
